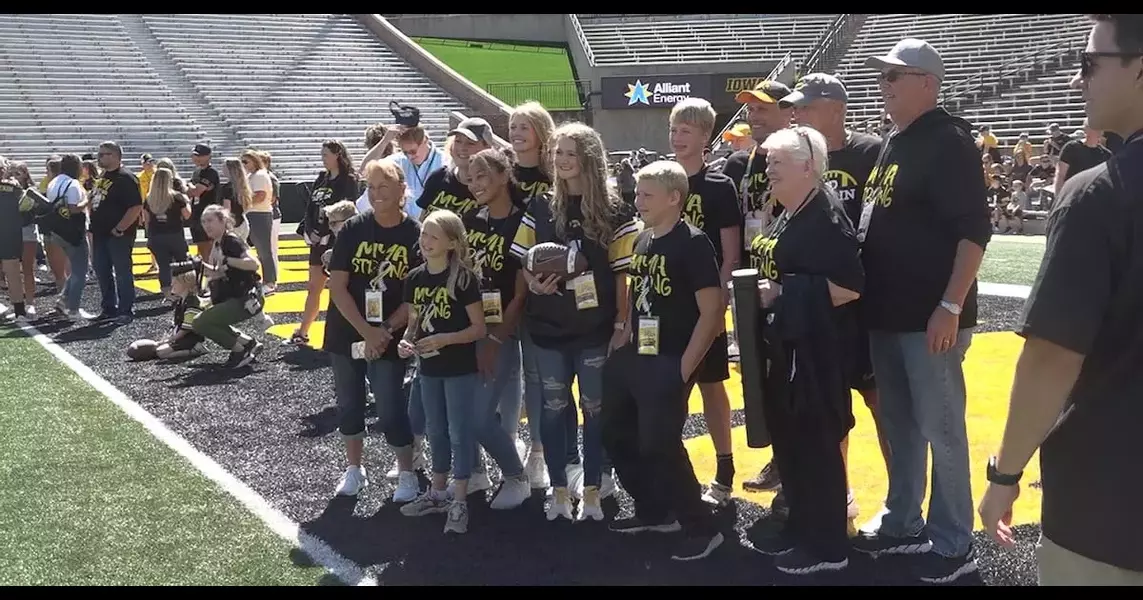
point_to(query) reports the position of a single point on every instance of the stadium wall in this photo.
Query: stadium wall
(547, 29)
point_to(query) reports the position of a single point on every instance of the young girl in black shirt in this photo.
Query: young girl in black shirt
(235, 289)
(166, 211)
(446, 319)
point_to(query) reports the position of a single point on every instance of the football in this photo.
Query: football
(550, 258)
(143, 350)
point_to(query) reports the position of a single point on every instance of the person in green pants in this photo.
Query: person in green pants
(235, 289)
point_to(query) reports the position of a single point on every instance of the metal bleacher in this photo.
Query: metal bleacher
(288, 82)
(675, 39)
(1016, 65)
(159, 84)
(73, 81)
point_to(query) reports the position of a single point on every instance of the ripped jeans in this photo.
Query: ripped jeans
(557, 369)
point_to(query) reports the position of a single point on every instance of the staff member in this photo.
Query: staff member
(926, 223)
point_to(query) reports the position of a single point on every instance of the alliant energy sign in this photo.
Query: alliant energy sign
(652, 91)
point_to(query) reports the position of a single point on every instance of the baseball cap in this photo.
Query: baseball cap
(814, 86)
(912, 53)
(146, 158)
(766, 92)
(475, 129)
(201, 150)
(741, 130)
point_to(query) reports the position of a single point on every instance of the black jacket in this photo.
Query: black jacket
(804, 340)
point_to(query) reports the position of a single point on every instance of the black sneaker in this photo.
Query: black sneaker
(253, 349)
(771, 543)
(637, 525)
(696, 547)
(779, 509)
(934, 568)
(767, 480)
(875, 544)
(800, 562)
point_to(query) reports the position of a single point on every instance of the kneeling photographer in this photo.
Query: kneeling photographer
(235, 290)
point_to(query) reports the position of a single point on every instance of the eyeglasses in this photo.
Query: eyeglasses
(1088, 62)
(892, 75)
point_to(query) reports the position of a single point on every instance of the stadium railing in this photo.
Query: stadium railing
(832, 42)
(582, 38)
(554, 95)
(718, 143)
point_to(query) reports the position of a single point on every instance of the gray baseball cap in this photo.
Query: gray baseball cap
(814, 86)
(912, 53)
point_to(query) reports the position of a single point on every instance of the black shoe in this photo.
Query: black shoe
(637, 525)
(767, 480)
(779, 509)
(773, 543)
(801, 562)
(934, 568)
(696, 547)
(875, 544)
(243, 357)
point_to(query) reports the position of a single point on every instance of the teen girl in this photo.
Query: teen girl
(446, 319)
(235, 290)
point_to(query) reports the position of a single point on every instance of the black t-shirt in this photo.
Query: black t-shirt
(439, 312)
(444, 191)
(997, 195)
(1056, 143)
(1081, 157)
(554, 321)
(226, 192)
(712, 205)
(849, 168)
(1087, 298)
(235, 283)
(114, 193)
(815, 239)
(531, 182)
(327, 191)
(208, 177)
(747, 169)
(926, 194)
(490, 241)
(10, 220)
(666, 273)
(363, 248)
(170, 221)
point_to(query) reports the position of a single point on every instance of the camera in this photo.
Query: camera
(405, 116)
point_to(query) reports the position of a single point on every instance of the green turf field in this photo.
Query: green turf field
(546, 70)
(1012, 259)
(91, 498)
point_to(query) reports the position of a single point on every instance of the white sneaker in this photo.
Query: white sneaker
(717, 494)
(589, 507)
(575, 480)
(407, 487)
(30, 311)
(607, 486)
(352, 482)
(521, 450)
(537, 471)
(428, 503)
(457, 520)
(420, 462)
(561, 505)
(513, 492)
(478, 482)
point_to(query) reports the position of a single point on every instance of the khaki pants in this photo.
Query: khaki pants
(1061, 567)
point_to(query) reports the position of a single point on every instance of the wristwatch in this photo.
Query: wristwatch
(995, 476)
(951, 307)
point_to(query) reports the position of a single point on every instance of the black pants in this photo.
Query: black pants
(807, 452)
(644, 411)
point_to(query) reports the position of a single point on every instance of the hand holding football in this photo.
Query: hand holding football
(550, 258)
(143, 350)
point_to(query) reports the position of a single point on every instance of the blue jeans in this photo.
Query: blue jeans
(492, 420)
(922, 404)
(77, 265)
(450, 421)
(385, 378)
(111, 259)
(416, 407)
(557, 369)
(534, 400)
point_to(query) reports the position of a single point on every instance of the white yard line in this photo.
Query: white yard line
(341, 567)
(1007, 290)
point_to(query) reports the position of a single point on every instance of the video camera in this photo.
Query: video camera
(405, 116)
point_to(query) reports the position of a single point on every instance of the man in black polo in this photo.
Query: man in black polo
(115, 206)
(1078, 391)
(203, 192)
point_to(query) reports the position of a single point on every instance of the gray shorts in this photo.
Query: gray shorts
(30, 234)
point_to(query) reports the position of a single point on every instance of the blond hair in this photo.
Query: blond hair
(340, 211)
(667, 173)
(240, 183)
(542, 124)
(162, 193)
(600, 203)
(461, 270)
(694, 111)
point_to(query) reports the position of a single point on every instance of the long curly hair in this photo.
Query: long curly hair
(600, 203)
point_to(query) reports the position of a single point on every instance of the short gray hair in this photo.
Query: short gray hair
(802, 143)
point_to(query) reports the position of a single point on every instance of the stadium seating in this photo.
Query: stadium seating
(288, 82)
(974, 44)
(73, 81)
(665, 39)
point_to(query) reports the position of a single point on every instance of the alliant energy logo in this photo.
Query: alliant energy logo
(663, 93)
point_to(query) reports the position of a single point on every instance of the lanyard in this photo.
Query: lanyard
(779, 226)
(433, 157)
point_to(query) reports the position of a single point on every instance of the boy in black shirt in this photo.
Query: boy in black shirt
(711, 206)
(677, 311)
(184, 341)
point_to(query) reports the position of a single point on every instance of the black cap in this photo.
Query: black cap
(201, 150)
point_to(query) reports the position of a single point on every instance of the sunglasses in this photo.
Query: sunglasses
(1088, 60)
(892, 75)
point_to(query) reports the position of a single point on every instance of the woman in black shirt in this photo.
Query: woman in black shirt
(337, 182)
(235, 289)
(166, 212)
(808, 261)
